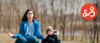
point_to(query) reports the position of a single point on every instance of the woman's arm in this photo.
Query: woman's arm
(38, 31)
(10, 34)
(20, 32)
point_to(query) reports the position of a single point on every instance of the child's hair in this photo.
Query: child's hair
(47, 31)
(25, 18)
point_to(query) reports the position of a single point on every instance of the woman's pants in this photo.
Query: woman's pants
(22, 39)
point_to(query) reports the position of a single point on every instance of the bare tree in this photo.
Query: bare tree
(0, 14)
(95, 23)
(64, 20)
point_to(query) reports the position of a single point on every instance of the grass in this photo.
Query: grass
(77, 39)
(4, 38)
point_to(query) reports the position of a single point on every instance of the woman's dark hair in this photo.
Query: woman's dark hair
(25, 18)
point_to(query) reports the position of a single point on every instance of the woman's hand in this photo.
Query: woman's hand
(45, 35)
(10, 34)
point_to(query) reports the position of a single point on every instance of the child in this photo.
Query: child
(52, 36)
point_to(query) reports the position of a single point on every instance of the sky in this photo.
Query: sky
(72, 6)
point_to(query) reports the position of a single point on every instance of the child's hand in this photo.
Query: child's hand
(45, 35)
(10, 34)
(56, 32)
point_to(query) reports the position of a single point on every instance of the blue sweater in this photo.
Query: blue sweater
(29, 30)
(23, 27)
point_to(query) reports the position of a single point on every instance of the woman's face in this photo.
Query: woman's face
(50, 32)
(30, 15)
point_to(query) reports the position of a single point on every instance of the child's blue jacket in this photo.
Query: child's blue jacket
(23, 27)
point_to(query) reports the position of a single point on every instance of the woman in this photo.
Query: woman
(29, 31)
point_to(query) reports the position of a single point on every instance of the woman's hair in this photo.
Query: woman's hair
(25, 18)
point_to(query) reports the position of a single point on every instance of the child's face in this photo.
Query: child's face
(50, 32)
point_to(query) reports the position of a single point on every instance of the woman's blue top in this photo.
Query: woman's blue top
(24, 29)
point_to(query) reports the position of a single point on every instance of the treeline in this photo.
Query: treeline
(50, 13)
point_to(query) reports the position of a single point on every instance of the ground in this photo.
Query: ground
(4, 38)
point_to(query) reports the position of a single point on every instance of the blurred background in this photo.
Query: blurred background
(62, 15)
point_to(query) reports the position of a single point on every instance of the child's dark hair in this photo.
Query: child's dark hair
(47, 31)
(25, 18)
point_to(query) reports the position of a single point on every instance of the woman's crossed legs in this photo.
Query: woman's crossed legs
(22, 39)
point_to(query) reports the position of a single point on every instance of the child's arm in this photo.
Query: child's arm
(57, 39)
(56, 32)
(43, 41)
(55, 36)
(49, 38)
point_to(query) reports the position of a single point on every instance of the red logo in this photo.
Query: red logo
(88, 11)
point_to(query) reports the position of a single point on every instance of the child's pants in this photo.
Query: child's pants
(22, 39)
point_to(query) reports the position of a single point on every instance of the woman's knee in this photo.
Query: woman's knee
(19, 36)
(34, 39)
(21, 39)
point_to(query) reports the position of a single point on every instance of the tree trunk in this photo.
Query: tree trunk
(0, 14)
(71, 31)
(18, 14)
(64, 27)
(95, 22)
